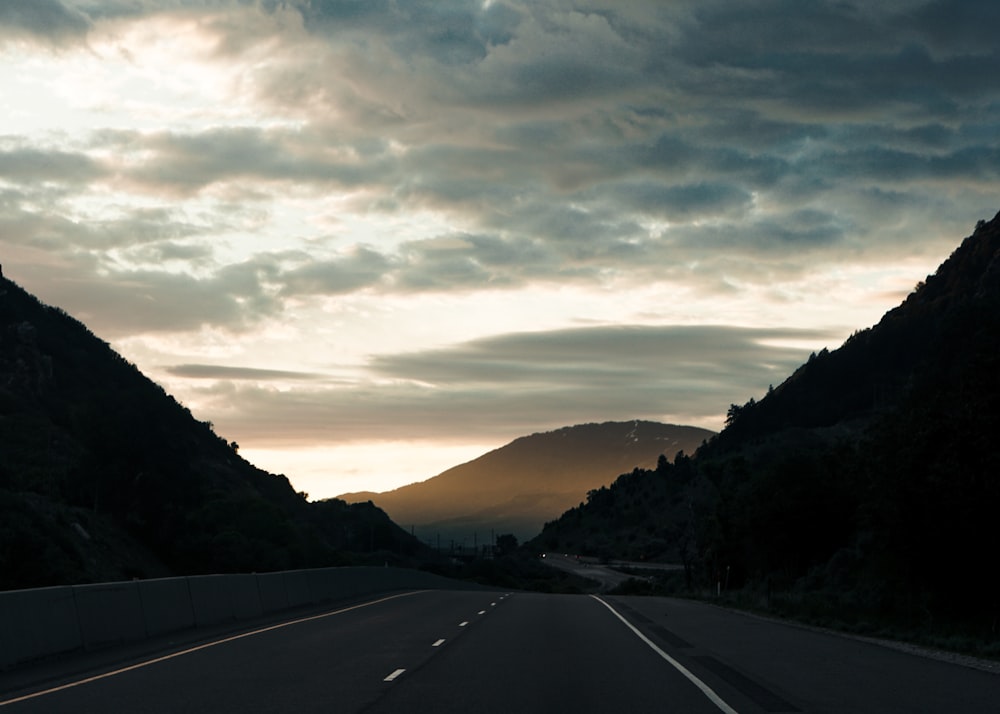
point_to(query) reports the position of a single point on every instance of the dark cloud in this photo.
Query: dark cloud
(801, 231)
(449, 32)
(945, 25)
(51, 21)
(896, 167)
(681, 202)
(568, 132)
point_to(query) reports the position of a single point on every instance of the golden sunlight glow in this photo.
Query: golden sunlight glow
(328, 471)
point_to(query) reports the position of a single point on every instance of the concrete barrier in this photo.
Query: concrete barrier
(273, 592)
(210, 599)
(244, 597)
(166, 605)
(109, 612)
(44, 621)
(37, 622)
(297, 588)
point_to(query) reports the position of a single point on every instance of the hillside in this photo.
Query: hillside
(516, 488)
(865, 486)
(104, 476)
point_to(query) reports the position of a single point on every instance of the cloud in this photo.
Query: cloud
(51, 21)
(598, 356)
(574, 133)
(26, 164)
(186, 163)
(504, 386)
(213, 371)
(352, 270)
(682, 202)
(947, 24)
(128, 302)
(341, 158)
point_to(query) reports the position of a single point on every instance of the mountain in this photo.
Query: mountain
(104, 476)
(516, 488)
(867, 483)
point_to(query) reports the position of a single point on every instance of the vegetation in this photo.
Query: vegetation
(862, 491)
(104, 476)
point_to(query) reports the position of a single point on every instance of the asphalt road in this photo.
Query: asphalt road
(482, 652)
(604, 575)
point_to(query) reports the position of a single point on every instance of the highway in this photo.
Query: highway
(483, 652)
(606, 576)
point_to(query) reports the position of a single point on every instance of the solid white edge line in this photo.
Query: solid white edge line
(205, 645)
(706, 690)
(394, 675)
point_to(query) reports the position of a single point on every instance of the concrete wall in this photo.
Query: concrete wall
(34, 623)
(45, 621)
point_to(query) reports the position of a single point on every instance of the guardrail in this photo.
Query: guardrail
(38, 622)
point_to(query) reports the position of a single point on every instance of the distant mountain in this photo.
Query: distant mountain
(867, 483)
(104, 476)
(516, 488)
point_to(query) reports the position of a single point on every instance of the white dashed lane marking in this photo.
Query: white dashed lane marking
(394, 675)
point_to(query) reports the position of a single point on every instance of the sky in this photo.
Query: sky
(373, 239)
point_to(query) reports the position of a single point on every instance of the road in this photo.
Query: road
(606, 575)
(483, 652)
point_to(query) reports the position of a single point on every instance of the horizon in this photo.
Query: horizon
(371, 243)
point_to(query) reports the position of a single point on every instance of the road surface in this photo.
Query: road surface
(606, 575)
(483, 652)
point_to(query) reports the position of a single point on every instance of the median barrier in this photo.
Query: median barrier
(244, 597)
(272, 591)
(39, 622)
(166, 605)
(323, 583)
(211, 599)
(109, 612)
(297, 587)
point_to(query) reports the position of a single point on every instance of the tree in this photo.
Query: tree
(506, 543)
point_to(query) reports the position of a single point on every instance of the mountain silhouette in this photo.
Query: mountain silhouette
(104, 476)
(516, 488)
(867, 482)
